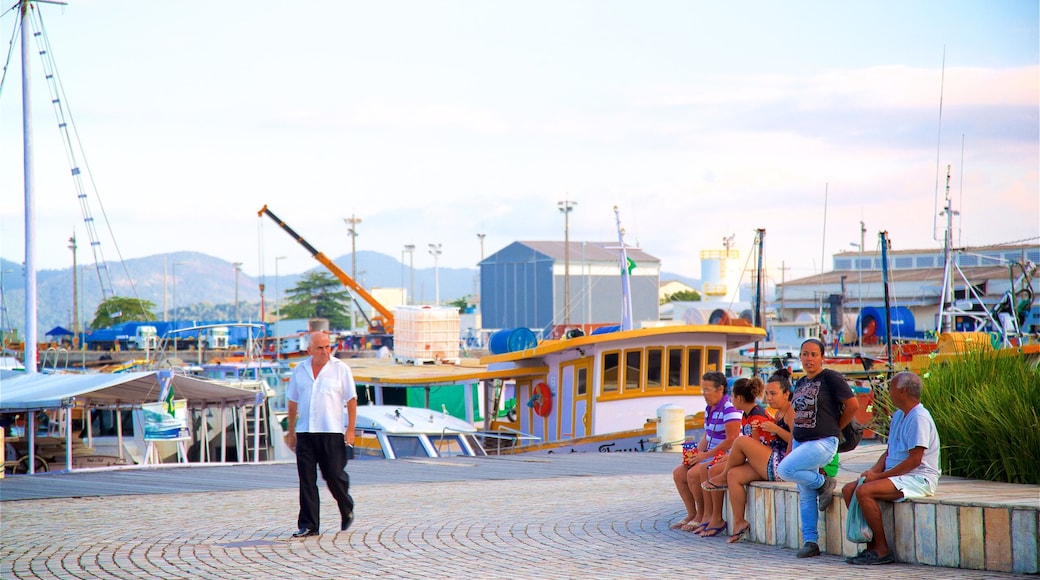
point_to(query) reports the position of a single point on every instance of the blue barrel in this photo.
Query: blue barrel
(511, 340)
(607, 329)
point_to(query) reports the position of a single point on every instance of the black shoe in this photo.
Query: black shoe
(304, 532)
(825, 495)
(870, 558)
(849, 559)
(809, 550)
(346, 522)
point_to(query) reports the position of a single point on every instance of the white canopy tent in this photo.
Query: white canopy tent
(21, 392)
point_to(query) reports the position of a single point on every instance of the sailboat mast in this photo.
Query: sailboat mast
(626, 288)
(30, 199)
(946, 319)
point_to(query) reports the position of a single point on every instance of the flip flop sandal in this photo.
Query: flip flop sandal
(712, 486)
(739, 535)
(712, 532)
(694, 527)
(679, 524)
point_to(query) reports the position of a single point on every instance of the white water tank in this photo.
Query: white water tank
(671, 427)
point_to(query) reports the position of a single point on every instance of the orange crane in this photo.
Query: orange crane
(383, 324)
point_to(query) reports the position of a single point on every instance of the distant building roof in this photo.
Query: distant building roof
(593, 251)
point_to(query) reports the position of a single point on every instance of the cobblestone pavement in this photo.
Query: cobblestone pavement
(570, 527)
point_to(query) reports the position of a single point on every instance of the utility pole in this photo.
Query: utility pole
(783, 271)
(238, 268)
(352, 223)
(566, 206)
(435, 251)
(410, 248)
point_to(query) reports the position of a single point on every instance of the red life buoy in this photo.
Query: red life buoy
(541, 400)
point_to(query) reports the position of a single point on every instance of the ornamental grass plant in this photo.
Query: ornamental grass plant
(987, 410)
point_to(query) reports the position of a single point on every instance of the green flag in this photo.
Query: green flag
(631, 265)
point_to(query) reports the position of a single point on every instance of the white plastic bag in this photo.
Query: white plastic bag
(856, 528)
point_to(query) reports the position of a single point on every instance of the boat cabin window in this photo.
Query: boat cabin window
(633, 369)
(366, 446)
(448, 445)
(715, 359)
(581, 381)
(654, 367)
(407, 446)
(674, 370)
(694, 367)
(610, 372)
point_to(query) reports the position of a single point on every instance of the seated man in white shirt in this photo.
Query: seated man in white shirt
(908, 469)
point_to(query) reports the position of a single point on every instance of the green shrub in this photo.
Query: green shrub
(986, 410)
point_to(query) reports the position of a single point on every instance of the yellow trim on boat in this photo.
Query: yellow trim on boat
(736, 336)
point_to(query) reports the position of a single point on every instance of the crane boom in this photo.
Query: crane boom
(386, 317)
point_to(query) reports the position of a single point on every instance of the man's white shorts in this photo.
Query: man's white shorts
(912, 486)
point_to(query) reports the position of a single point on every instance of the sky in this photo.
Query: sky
(433, 122)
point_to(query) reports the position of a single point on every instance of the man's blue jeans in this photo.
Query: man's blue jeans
(802, 466)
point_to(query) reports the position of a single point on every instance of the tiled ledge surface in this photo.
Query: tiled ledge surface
(967, 524)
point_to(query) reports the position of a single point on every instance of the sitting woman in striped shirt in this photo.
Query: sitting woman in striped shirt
(721, 427)
(753, 433)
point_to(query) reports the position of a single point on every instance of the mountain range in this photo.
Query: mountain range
(202, 282)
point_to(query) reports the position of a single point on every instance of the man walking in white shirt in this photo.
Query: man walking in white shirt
(319, 389)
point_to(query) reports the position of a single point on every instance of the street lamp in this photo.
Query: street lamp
(476, 290)
(410, 248)
(75, 304)
(277, 312)
(435, 251)
(352, 223)
(566, 206)
(859, 283)
(174, 322)
(238, 268)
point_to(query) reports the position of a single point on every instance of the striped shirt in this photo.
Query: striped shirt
(716, 418)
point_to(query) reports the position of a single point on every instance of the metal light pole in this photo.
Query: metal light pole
(565, 208)
(410, 248)
(75, 303)
(174, 322)
(352, 223)
(476, 292)
(435, 251)
(859, 272)
(277, 311)
(238, 268)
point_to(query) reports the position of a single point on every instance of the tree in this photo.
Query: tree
(318, 295)
(119, 309)
(682, 296)
(460, 303)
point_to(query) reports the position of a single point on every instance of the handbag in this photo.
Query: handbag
(856, 528)
(851, 435)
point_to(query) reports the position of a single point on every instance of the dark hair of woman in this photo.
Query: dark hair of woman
(783, 377)
(748, 389)
(817, 342)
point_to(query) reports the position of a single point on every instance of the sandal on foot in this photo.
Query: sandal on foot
(694, 527)
(739, 534)
(712, 532)
(712, 486)
(679, 524)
